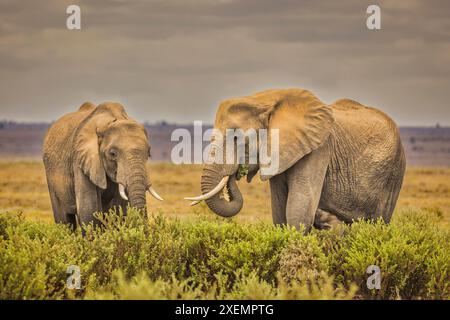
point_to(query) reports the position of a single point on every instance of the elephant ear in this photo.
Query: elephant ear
(304, 123)
(87, 141)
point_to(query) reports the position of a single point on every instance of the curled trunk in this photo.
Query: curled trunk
(218, 204)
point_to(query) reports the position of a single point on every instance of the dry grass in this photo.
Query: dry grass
(23, 186)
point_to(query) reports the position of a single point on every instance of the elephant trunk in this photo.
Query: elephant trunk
(218, 204)
(137, 185)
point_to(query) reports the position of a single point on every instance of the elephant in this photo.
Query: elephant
(337, 163)
(95, 160)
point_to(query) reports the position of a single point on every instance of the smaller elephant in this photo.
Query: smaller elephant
(95, 160)
(337, 162)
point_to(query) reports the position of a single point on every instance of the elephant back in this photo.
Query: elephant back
(59, 137)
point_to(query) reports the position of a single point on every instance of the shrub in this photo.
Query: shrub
(34, 258)
(412, 253)
(141, 287)
(213, 258)
(246, 287)
(303, 260)
(227, 247)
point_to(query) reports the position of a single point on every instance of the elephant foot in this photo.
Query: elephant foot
(324, 220)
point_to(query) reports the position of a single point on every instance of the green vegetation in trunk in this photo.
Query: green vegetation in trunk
(243, 170)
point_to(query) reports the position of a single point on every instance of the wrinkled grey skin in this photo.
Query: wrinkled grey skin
(338, 162)
(86, 155)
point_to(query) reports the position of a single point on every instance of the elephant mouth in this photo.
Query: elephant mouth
(217, 190)
(124, 193)
(222, 190)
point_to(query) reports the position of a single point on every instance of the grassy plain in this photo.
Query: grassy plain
(23, 187)
(201, 256)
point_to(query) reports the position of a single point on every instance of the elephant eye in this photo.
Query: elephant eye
(112, 154)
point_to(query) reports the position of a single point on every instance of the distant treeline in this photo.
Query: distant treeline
(424, 146)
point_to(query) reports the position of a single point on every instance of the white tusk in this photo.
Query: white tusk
(210, 194)
(122, 192)
(155, 194)
(193, 203)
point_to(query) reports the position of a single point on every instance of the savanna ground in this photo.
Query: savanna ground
(187, 252)
(23, 187)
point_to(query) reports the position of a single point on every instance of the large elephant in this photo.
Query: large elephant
(337, 162)
(95, 160)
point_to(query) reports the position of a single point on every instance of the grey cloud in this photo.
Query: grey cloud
(161, 58)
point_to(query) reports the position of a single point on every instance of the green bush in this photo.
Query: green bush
(245, 287)
(34, 258)
(213, 258)
(412, 253)
(303, 260)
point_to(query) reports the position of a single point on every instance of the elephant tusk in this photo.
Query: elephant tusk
(122, 192)
(210, 194)
(193, 203)
(155, 194)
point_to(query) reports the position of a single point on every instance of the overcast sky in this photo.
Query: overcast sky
(175, 60)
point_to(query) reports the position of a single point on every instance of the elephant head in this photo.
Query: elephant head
(112, 148)
(304, 124)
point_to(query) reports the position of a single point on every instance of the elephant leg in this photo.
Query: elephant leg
(305, 182)
(72, 220)
(60, 213)
(88, 198)
(325, 220)
(279, 192)
(56, 207)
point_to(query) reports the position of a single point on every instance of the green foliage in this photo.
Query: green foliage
(34, 258)
(249, 287)
(303, 260)
(219, 259)
(412, 253)
(243, 170)
(227, 247)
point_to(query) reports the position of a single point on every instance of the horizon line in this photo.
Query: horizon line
(167, 123)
